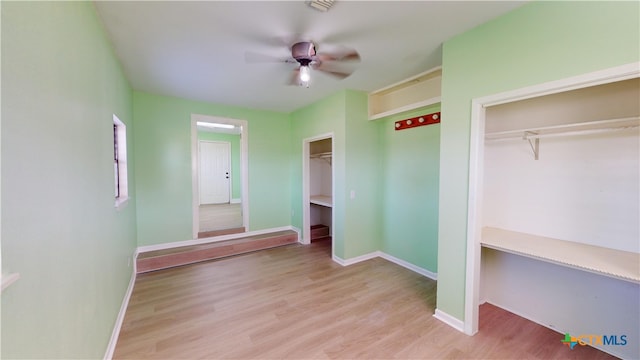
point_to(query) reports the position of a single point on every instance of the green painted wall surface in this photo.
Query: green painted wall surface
(537, 43)
(61, 85)
(163, 166)
(362, 168)
(410, 176)
(234, 140)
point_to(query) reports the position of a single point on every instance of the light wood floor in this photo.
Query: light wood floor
(295, 302)
(219, 217)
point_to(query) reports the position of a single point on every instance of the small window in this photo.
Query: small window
(120, 161)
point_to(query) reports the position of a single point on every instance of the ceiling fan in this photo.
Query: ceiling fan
(304, 54)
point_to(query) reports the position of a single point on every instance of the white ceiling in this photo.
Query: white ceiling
(196, 50)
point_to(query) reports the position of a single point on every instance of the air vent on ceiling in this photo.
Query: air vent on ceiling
(322, 5)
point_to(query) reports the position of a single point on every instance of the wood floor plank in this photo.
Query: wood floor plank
(294, 302)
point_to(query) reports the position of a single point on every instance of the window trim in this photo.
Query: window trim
(120, 162)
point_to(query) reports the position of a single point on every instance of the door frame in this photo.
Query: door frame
(476, 166)
(306, 205)
(230, 182)
(244, 167)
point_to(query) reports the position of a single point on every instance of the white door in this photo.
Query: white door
(214, 172)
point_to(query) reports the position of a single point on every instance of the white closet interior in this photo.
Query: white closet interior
(561, 209)
(320, 187)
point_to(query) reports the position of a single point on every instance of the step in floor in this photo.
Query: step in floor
(319, 232)
(163, 259)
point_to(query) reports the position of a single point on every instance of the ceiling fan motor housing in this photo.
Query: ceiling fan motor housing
(303, 52)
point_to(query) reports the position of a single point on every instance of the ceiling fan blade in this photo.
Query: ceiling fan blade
(253, 57)
(335, 73)
(347, 55)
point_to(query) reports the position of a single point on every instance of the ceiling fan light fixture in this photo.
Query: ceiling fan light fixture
(305, 75)
(321, 5)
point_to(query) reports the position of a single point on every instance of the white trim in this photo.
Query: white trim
(111, 347)
(405, 264)
(408, 265)
(605, 76)
(244, 166)
(407, 80)
(355, 260)
(120, 138)
(449, 320)
(306, 198)
(175, 244)
(297, 232)
(476, 156)
(8, 280)
(235, 201)
(419, 104)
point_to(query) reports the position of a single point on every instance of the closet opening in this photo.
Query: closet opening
(553, 207)
(318, 190)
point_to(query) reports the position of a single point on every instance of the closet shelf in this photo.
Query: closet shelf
(322, 155)
(622, 265)
(326, 156)
(322, 200)
(8, 280)
(533, 135)
(568, 129)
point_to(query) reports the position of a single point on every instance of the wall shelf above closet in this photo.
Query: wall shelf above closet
(321, 200)
(418, 91)
(622, 265)
(583, 128)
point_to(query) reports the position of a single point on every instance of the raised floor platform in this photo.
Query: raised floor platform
(163, 259)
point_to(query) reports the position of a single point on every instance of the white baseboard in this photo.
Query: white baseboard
(355, 260)
(449, 320)
(299, 232)
(408, 265)
(235, 201)
(176, 244)
(111, 347)
(393, 259)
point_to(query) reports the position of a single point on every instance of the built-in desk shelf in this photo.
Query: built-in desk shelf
(8, 280)
(622, 265)
(321, 200)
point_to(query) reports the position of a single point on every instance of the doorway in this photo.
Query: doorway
(219, 176)
(318, 180)
(214, 172)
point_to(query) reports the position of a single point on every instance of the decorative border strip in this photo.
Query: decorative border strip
(428, 119)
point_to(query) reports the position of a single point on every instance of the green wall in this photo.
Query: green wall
(539, 42)
(410, 161)
(362, 169)
(236, 174)
(163, 166)
(61, 85)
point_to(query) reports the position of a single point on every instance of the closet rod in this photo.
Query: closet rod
(578, 132)
(568, 129)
